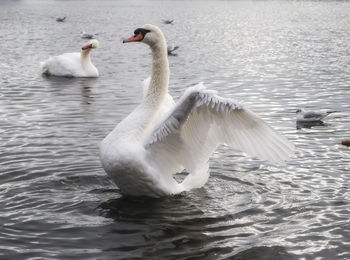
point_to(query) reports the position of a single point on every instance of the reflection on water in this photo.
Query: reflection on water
(145, 209)
(265, 253)
(56, 201)
(86, 93)
(301, 124)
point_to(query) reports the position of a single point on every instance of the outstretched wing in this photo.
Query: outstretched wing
(201, 121)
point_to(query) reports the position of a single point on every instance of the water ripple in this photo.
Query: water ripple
(57, 203)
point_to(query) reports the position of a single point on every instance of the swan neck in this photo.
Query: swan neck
(158, 87)
(85, 55)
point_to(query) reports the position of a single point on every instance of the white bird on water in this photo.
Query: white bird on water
(311, 116)
(85, 35)
(168, 21)
(60, 19)
(72, 64)
(160, 138)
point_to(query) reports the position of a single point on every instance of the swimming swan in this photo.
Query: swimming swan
(160, 138)
(72, 64)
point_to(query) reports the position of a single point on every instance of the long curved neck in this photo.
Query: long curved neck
(85, 56)
(158, 87)
(141, 120)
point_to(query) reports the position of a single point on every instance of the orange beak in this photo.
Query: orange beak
(134, 38)
(87, 46)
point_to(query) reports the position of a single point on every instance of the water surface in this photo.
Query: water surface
(56, 201)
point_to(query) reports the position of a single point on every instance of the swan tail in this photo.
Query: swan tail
(44, 68)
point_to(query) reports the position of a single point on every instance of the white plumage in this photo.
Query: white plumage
(311, 116)
(85, 35)
(160, 138)
(72, 64)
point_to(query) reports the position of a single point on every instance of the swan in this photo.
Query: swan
(160, 137)
(72, 64)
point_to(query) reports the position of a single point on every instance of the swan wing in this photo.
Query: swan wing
(201, 121)
(66, 64)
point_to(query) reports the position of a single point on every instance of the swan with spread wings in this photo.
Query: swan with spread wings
(160, 137)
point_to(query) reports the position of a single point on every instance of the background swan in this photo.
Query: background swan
(160, 138)
(72, 64)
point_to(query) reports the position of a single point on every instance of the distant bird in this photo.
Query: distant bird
(310, 116)
(60, 19)
(85, 35)
(72, 64)
(168, 21)
(171, 49)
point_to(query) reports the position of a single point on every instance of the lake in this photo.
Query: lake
(56, 201)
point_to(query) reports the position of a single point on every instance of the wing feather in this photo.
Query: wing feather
(201, 121)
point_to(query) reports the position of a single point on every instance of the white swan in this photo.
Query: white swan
(160, 138)
(72, 64)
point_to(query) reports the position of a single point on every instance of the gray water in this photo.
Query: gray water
(56, 202)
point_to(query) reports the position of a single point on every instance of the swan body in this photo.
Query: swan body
(72, 64)
(160, 138)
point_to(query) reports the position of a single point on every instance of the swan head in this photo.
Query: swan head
(92, 44)
(149, 34)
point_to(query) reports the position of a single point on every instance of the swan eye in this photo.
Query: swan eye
(142, 31)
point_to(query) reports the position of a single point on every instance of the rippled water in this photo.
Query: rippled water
(56, 202)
